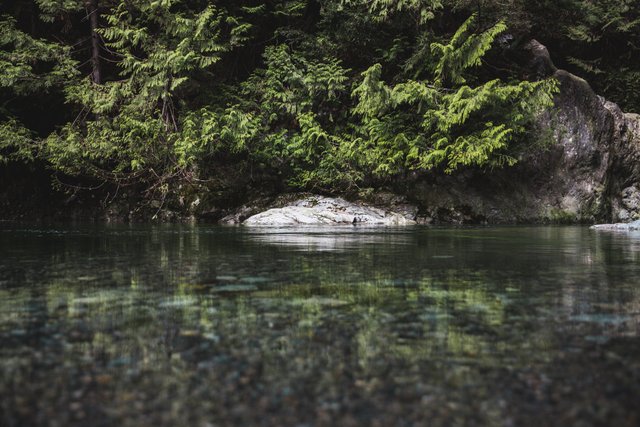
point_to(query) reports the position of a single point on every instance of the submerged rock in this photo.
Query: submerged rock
(319, 210)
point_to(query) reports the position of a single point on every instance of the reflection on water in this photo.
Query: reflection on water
(327, 238)
(202, 326)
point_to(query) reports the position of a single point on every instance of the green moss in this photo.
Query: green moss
(561, 216)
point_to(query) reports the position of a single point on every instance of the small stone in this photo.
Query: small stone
(103, 379)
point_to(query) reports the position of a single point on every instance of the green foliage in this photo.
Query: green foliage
(28, 66)
(22, 58)
(606, 39)
(203, 132)
(16, 142)
(292, 95)
(463, 51)
(430, 126)
(462, 127)
(133, 126)
(292, 84)
(598, 40)
(327, 95)
(155, 67)
(372, 93)
(422, 10)
(412, 125)
(52, 9)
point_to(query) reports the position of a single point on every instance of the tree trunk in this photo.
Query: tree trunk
(96, 73)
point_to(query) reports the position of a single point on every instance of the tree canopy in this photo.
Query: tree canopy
(327, 95)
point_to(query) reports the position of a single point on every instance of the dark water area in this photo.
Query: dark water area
(213, 326)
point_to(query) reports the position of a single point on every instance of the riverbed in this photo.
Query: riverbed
(141, 325)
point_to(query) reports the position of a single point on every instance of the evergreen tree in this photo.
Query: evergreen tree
(136, 127)
(329, 95)
(29, 67)
(440, 122)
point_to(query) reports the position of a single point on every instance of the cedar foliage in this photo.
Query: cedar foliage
(330, 95)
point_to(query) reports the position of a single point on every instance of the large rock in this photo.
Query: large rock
(319, 210)
(590, 171)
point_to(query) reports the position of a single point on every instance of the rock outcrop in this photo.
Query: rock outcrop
(590, 172)
(319, 210)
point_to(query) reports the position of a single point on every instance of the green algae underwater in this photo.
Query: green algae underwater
(212, 326)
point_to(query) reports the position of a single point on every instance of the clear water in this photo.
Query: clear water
(207, 326)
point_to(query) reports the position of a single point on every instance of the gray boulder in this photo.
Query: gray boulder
(629, 226)
(320, 210)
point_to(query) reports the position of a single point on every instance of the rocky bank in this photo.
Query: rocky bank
(589, 173)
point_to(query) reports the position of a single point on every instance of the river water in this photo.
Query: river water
(206, 326)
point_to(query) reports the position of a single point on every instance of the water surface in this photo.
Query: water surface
(207, 326)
